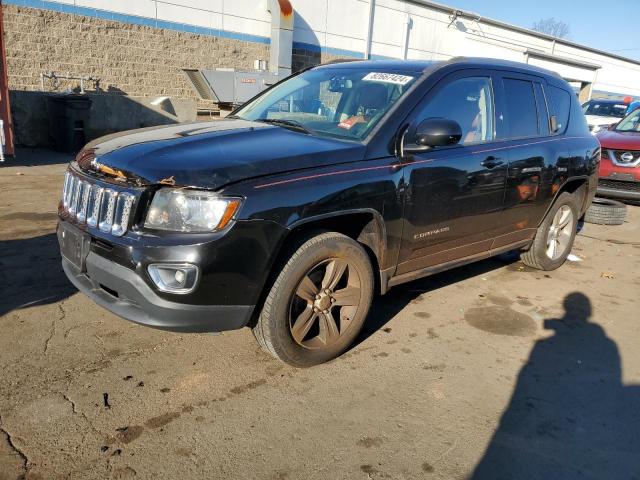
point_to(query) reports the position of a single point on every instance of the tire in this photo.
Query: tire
(298, 293)
(606, 212)
(538, 256)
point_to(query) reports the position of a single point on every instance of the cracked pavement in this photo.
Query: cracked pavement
(454, 375)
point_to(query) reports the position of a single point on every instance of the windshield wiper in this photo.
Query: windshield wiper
(290, 124)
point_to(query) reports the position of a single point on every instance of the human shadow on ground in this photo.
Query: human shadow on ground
(570, 416)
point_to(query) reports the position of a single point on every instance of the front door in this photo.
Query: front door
(454, 194)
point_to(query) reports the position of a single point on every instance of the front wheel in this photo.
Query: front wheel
(554, 238)
(318, 302)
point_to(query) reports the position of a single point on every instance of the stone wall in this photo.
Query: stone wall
(129, 59)
(136, 63)
(132, 61)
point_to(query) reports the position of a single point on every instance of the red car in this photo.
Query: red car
(620, 162)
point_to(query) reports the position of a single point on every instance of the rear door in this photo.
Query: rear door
(454, 195)
(533, 156)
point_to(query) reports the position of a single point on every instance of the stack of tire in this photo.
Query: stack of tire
(604, 211)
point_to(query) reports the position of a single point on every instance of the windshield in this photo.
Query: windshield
(605, 109)
(631, 123)
(335, 102)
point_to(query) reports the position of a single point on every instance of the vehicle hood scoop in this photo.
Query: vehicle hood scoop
(210, 154)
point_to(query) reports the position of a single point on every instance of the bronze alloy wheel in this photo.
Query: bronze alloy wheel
(319, 301)
(555, 235)
(560, 235)
(325, 302)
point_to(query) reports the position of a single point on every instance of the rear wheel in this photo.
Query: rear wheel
(554, 238)
(318, 303)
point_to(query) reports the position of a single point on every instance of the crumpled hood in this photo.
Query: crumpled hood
(210, 154)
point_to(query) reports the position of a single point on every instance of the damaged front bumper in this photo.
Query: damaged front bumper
(121, 291)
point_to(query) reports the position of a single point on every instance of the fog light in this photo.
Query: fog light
(177, 278)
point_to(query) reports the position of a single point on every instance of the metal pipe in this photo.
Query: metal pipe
(1, 140)
(281, 48)
(5, 102)
(407, 32)
(56, 77)
(595, 79)
(367, 47)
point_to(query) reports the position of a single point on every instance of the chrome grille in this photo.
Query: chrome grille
(105, 208)
(122, 213)
(625, 158)
(93, 207)
(83, 200)
(73, 196)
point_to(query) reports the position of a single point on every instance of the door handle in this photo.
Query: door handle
(491, 162)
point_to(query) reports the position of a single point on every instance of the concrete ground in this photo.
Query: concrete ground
(488, 371)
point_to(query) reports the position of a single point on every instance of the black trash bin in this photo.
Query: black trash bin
(68, 119)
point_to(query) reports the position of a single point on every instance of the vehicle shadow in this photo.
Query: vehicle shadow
(36, 157)
(31, 273)
(570, 416)
(386, 307)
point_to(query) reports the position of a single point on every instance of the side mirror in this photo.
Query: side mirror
(433, 132)
(613, 126)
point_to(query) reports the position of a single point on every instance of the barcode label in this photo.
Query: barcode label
(388, 78)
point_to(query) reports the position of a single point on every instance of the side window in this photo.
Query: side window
(562, 101)
(468, 101)
(521, 108)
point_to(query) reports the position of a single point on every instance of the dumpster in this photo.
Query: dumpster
(68, 119)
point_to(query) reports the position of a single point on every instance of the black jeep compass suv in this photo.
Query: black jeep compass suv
(333, 185)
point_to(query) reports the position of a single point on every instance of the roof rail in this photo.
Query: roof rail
(342, 60)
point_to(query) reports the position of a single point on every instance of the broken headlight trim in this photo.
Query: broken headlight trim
(193, 211)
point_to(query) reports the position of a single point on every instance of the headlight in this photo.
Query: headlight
(181, 210)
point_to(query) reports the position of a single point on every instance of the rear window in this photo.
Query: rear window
(577, 120)
(521, 108)
(562, 101)
(606, 109)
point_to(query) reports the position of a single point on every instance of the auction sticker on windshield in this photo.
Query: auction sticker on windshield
(388, 78)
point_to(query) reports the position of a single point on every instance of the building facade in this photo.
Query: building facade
(132, 52)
